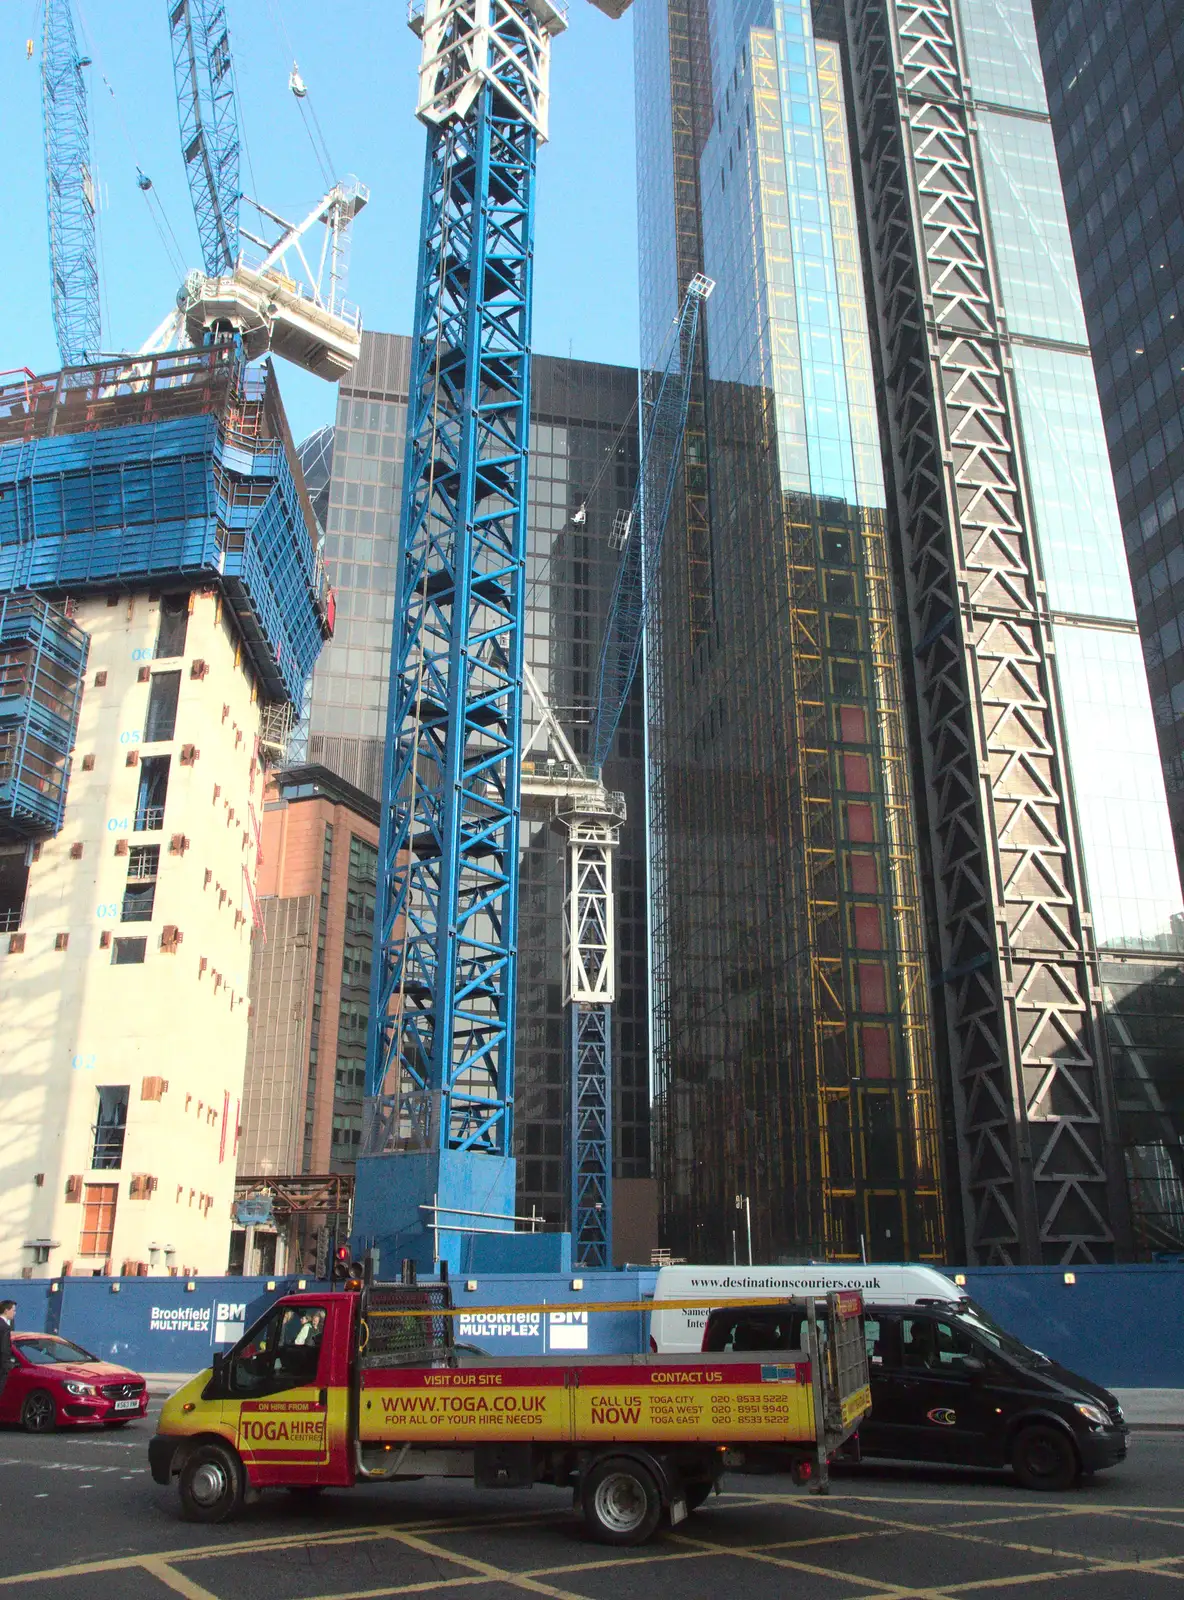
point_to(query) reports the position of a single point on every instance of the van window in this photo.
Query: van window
(936, 1346)
(749, 1332)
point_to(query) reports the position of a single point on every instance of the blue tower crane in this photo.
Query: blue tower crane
(208, 116)
(437, 1159)
(592, 819)
(70, 189)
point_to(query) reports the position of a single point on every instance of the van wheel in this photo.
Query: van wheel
(211, 1484)
(1044, 1458)
(621, 1502)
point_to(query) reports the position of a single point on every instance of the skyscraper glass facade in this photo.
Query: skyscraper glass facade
(583, 469)
(795, 1044)
(1117, 106)
(945, 673)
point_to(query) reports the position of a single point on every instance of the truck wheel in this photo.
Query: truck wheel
(621, 1502)
(696, 1493)
(1044, 1458)
(211, 1484)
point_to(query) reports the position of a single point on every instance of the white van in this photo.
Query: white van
(680, 1331)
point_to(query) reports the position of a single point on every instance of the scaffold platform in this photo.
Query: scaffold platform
(174, 467)
(42, 664)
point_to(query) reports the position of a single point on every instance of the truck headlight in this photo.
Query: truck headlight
(80, 1388)
(1093, 1415)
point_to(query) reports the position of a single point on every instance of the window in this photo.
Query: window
(174, 625)
(161, 720)
(98, 1219)
(139, 896)
(281, 1352)
(14, 879)
(128, 952)
(154, 784)
(110, 1128)
(936, 1346)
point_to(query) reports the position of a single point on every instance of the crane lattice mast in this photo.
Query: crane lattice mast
(440, 1067)
(70, 189)
(208, 116)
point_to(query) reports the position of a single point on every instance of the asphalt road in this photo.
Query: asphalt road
(81, 1517)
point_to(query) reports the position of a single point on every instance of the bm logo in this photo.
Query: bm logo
(943, 1416)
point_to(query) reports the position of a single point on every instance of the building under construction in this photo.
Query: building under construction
(162, 603)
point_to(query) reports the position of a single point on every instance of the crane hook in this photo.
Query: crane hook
(296, 83)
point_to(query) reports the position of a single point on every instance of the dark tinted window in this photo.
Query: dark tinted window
(125, 952)
(110, 1126)
(154, 786)
(161, 720)
(174, 625)
(744, 1330)
(933, 1344)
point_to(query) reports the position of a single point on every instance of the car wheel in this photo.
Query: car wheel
(39, 1414)
(621, 1502)
(1044, 1458)
(211, 1484)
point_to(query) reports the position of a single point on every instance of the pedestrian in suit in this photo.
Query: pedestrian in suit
(7, 1359)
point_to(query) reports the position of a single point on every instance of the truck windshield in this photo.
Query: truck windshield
(976, 1319)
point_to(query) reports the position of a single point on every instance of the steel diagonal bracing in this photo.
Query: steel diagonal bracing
(591, 1157)
(440, 1072)
(1019, 981)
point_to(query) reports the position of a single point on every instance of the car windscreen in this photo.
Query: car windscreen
(977, 1320)
(50, 1352)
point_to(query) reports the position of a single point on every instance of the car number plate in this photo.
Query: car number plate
(127, 1405)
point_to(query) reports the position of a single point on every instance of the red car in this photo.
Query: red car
(56, 1384)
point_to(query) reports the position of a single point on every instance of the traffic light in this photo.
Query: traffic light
(341, 1263)
(322, 1262)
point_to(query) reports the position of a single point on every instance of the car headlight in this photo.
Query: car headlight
(79, 1388)
(1096, 1417)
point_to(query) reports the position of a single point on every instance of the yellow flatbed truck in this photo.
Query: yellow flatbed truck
(335, 1389)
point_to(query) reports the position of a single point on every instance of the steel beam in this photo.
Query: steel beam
(1018, 980)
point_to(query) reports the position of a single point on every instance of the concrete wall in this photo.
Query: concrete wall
(71, 1021)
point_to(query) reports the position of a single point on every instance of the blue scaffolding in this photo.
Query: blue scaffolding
(169, 468)
(42, 664)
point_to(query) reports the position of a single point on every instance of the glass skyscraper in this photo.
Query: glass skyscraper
(583, 471)
(1116, 97)
(906, 802)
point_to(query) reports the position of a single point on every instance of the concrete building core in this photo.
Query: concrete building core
(163, 513)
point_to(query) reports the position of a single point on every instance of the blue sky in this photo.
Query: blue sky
(359, 60)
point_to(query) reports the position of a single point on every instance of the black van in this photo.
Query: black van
(948, 1384)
